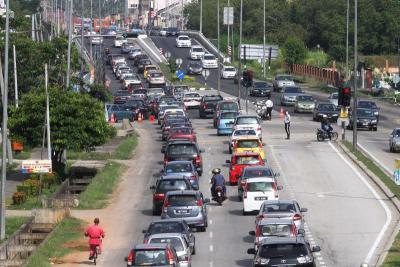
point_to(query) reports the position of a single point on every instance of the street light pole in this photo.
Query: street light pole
(201, 16)
(47, 112)
(354, 114)
(240, 52)
(218, 56)
(15, 77)
(264, 43)
(228, 29)
(347, 39)
(70, 8)
(82, 44)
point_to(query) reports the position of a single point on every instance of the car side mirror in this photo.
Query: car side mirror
(206, 200)
(252, 233)
(251, 251)
(303, 210)
(227, 161)
(279, 187)
(316, 249)
(126, 259)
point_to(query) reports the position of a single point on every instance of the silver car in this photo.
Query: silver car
(181, 245)
(254, 172)
(334, 98)
(282, 80)
(289, 95)
(394, 140)
(188, 205)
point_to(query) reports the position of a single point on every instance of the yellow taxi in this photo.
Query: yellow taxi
(249, 144)
(147, 69)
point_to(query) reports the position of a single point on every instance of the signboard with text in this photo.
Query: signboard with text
(228, 15)
(36, 166)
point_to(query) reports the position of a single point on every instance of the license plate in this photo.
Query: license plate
(208, 109)
(260, 198)
(182, 211)
(365, 123)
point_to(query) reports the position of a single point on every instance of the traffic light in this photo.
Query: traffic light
(344, 97)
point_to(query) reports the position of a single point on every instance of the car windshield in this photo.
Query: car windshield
(122, 93)
(252, 173)
(197, 49)
(292, 90)
(192, 95)
(247, 144)
(244, 132)
(181, 131)
(195, 64)
(229, 69)
(260, 186)
(285, 251)
(279, 207)
(179, 167)
(326, 107)
(182, 149)
(139, 91)
(275, 229)
(209, 57)
(171, 185)
(182, 200)
(176, 242)
(156, 91)
(365, 112)
(229, 106)
(228, 115)
(284, 78)
(305, 98)
(183, 38)
(260, 84)
(165, 227)
(150, 257)
(247, 120)
(251, 160)
(367, 104)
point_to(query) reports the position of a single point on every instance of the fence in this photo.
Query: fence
(324, 75)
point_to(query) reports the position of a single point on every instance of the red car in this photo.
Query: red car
(182, 133)
(241, 160)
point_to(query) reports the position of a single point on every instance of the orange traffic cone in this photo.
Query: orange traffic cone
(113, 119)
(140, 117)
(281, 114)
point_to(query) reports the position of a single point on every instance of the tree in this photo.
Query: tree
(294, 51)
(77, 121)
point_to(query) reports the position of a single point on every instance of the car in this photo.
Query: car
(153, 255)
(138, 106)
(369, 105)
(116, 58)
(122, 70)
(228, 72)
(261, 89)
(139, 57)
(163, 107)
(304, 103)
(181, 245)
(183, 41)
(164, 185)
(170, 226)
(248, 122)
(334, 98)
(184, 150)
(155, 91)
(186, 133)
(224, 105)
(119, 40)
(325, 109)
(225, 122)
(172, 110)
(132, 87)
(139, 94)
(120, 113)
(282, 80)
(253, 172)
(366, 119)
(147, 69)
(282, 209)
(142, 64)
(172, 31)
(209, 61)
(239, 161)
(194, 67)
(189, 205)
(249, 144)
(121, 96)
(394, 140)
(196, 52)
(191, 100)
(118, 65)
(134, 52)
(156, 78)
(180, 88)
(272, 228)
(182, 168)
(130, 79)
(289, 95)
(237, 133)
(257, 190)
(126, 48)
(293, 251)
(163, 31)
(207, 105)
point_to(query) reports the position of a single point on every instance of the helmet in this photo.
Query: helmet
(216, 171)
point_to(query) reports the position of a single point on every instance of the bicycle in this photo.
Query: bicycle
(95, 254)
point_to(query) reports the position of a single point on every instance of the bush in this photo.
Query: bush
(49, 179)
(30, 187)
(19, 198)
(294, 51)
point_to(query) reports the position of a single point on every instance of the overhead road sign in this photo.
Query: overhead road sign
(254, 51)
(36, 166)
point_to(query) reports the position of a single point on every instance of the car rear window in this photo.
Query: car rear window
(326, 107)
(279, 207)
(181, 131)
(178, 167)
(257, 173)
(228, 115)
(292, 90)
(182, 149)
(275, 229)
(156, 74)
(284, 78)
(139, 91)
(165, 227)
(135, 103)
(283, 250)
(259, 186)
(152, 257)
(192, 95)
(212, 98)
(172, 185)
(183, 38)
(366, 104)
(229, 69)
(182, 200)
(174, 241)
(260, 84)
(247, 144)
(305, 98)
(209, 57)
(364, 112)
(247, 120)
(229, 106)
(247, 160)
(244, 132)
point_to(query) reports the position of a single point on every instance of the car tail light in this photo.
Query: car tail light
(192, 177)
(131, 257)
(165, 161)
(297, 217)
(117, 98)
(259, 128)
(198, 160)
(199, 203)
(260, 217)
(170, 257)
(294, 230)
(158, 197)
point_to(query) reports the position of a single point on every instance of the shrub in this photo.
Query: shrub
(49, 179)
(19, 198)
(30, 187)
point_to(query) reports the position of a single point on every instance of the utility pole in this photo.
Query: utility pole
(218, 55)
(354, 114)
(15, 77)
(47, 112)
(182, 15)
(4, 127)
(33, 27)
(70, 8)
(201, 16)
(240, 52)
(228, 29)
(82, 44)
(91, 30)
(264, 43)
(347, 39)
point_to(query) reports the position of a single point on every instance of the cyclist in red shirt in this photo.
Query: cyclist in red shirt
(95, 234)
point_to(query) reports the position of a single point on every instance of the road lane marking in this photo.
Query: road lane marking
(140, 171)
(210, 222)
(211, 248)
(378, 198)
(374, 158)
(211, 234)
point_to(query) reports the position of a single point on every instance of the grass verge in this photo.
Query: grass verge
(393, 257)
(12, 225)
(189, 80)
(69, 230)
(102, 186)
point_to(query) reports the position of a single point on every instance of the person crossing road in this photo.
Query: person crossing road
(287, 124)
(269, 104)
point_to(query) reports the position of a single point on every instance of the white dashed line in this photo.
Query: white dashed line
(211, 234)
(211, 248)
(211, 264)
(210, 222)
(140, 171)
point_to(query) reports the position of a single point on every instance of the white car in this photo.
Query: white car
(163, 32)
(257, 190)
(228, 72)
(96, 40)
(131, 79)
(248, 122)
(333, 98)
(238, 133)
(196, 52)
(191, 100)
(156, 78)
(209, 61)
(183, 41)
(119, 40)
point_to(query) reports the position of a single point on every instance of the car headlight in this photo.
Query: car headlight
(305, 259)
(286, 97)
(261, 261)
(374, 121)
(376, 113)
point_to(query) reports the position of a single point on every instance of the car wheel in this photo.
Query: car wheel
(375, 129)
(244, 212)
(200, 173)
(194, 250)
(201, 229)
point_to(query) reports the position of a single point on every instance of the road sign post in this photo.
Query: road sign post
(205, 73)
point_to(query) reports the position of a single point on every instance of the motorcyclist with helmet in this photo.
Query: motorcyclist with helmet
(217, 180)
(326, 126)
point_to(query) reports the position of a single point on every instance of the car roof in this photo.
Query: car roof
(280, 201)
(257, 168)
(325, 103)
(151, 246)
(283, 240)
(260, 179)
(179, 162)
(266, 221)
(197, 46)
(173, 177)
(247, 153)
(166, 235)
(180, 142)
(182, 192)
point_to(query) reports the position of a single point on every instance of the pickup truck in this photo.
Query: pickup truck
(120, 112)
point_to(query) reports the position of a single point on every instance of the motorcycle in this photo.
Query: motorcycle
(261, 109)
(219, 195)
(322, 135)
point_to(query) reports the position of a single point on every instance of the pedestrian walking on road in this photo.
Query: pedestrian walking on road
(269, 104)
(287, 124)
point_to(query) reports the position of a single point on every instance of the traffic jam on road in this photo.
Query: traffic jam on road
(181, 195)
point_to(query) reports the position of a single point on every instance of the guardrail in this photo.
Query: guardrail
(325, 75)
(205, 43)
